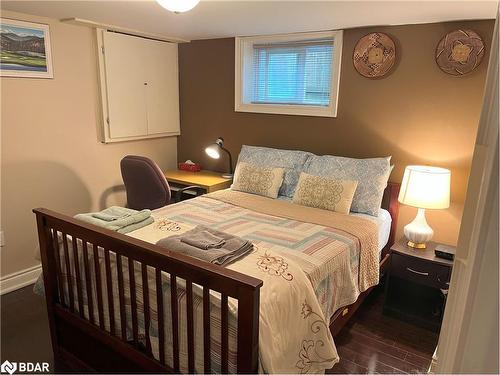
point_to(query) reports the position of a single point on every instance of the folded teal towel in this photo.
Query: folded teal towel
(116, 213)
(135, 226)
(111, 214)
(119, 219)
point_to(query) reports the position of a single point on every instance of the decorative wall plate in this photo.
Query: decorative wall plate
(374, 55)
(459, 52)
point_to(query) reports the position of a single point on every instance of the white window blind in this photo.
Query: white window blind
(294, 74)
(297, 73)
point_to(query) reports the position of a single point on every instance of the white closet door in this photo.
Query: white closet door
(126, 66)
(162, 91)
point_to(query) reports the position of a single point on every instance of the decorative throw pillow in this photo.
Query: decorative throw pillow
(371, 174)
(263, 181)
(325, 193)
(290, 160)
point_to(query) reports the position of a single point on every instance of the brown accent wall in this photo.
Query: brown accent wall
(417, 114)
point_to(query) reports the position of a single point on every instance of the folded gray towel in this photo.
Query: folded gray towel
(204, 240)
(233, 248)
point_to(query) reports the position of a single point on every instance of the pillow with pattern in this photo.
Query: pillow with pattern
(325, 193)
(265, 181)
(291, 161)
(371, 174)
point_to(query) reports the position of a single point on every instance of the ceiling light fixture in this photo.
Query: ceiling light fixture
(178, 6)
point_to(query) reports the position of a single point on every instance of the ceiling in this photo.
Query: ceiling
(226, 18)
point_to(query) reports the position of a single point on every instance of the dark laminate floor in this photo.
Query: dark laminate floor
(25, 328)
(371, 342)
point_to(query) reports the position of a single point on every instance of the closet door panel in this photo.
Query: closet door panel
(162, 93)
(126, 66)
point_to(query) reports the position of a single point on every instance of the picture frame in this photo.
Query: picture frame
(26, 49)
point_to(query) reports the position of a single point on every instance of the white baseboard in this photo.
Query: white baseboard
(19, 279)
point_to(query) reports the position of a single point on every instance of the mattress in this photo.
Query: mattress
(383, 221)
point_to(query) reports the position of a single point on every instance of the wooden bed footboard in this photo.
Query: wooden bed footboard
(84, 342)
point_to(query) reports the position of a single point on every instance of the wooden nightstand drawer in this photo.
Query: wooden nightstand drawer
(420, 271)
(415, 284)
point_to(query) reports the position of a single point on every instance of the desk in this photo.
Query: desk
(208, 180)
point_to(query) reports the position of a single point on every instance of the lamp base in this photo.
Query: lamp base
(418, 232)
(229, 176)
(417, 245)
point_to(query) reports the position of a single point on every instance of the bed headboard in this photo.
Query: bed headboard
(391, 204)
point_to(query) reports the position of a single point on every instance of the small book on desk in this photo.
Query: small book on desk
(445, 252)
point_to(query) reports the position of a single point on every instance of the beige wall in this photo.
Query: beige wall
(51, 155)
(417, 114)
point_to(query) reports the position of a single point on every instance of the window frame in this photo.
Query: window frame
(244, 69)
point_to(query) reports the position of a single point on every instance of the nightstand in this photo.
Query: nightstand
(208, 180)
(417, 285)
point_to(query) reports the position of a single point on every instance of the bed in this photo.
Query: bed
(124, 304)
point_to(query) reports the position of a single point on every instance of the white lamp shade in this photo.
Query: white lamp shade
(425, 187)
(178, 6)
(213, 151)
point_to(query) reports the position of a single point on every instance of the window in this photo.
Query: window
(293, 74)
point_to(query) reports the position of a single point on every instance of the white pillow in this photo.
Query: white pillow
(265, 181)
(325, 193)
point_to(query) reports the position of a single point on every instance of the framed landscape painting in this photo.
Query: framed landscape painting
(25, 49)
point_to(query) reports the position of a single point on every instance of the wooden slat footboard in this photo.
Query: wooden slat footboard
(80, 337)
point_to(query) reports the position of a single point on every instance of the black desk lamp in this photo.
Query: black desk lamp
(213, 152)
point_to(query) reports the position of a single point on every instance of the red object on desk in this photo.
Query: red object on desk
(190, 167)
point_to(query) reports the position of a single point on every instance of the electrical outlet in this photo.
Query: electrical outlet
(2, 239)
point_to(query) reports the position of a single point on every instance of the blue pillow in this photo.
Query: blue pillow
(292, 162)
(371, 175)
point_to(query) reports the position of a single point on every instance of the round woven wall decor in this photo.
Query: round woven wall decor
(374, 55)
(459, 52)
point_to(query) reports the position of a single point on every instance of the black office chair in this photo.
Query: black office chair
(146, 184)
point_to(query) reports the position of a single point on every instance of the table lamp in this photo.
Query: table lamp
(214, 152)
(423, 187)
